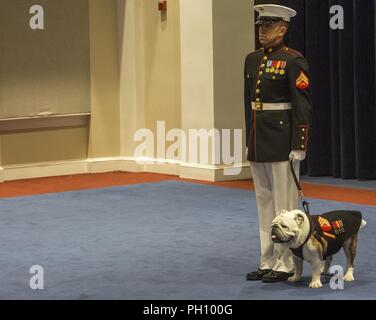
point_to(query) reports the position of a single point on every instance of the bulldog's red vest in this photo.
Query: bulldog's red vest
(335, 227)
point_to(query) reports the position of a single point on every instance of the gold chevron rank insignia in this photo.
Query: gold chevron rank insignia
(302, 81)
(325, 224)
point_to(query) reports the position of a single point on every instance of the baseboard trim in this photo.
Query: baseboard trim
(128, 164)
(42, 170)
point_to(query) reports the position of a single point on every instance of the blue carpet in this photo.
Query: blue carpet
(352, 183)
(167, 240)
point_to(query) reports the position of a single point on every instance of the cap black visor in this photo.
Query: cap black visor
(268, 20)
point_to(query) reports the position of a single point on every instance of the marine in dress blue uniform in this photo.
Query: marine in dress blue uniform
(278, 113)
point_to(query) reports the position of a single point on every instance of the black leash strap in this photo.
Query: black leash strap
(305, 203)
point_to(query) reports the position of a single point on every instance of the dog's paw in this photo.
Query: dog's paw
(315, 284)
(294, 278)
(348, 277)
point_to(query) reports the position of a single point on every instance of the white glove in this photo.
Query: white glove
(297, 155)
(246, 151)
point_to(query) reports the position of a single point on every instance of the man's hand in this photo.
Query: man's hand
(297, 155)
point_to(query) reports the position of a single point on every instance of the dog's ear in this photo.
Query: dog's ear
(299, 218)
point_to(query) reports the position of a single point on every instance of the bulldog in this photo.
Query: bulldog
(317, 238)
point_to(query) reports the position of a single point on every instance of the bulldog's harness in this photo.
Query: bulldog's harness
(331, 229)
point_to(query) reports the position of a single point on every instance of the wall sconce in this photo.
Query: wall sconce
(162, 6)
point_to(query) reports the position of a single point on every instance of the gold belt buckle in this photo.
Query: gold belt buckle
(258, 106)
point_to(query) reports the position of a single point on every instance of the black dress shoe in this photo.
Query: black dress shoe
(276, 276)
(257, 275)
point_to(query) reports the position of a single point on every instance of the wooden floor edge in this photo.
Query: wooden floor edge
(16, 188)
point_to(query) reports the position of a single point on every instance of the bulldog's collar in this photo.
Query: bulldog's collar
(299, 250)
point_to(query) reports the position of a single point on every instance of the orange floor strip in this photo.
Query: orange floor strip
(18, 188)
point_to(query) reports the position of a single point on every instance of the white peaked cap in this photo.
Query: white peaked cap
(274, 11)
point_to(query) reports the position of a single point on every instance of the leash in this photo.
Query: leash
(305, 203)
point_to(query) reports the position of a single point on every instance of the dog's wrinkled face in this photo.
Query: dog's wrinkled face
(287, 227)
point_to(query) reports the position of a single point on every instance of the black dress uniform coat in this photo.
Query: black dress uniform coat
(276, 75)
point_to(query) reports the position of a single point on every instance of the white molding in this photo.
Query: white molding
(213, 167)
(99, 165)
(128, 164)
(45, 169)
(214, 173)
(162, 168)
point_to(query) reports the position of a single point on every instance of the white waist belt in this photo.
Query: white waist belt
(270, 106)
